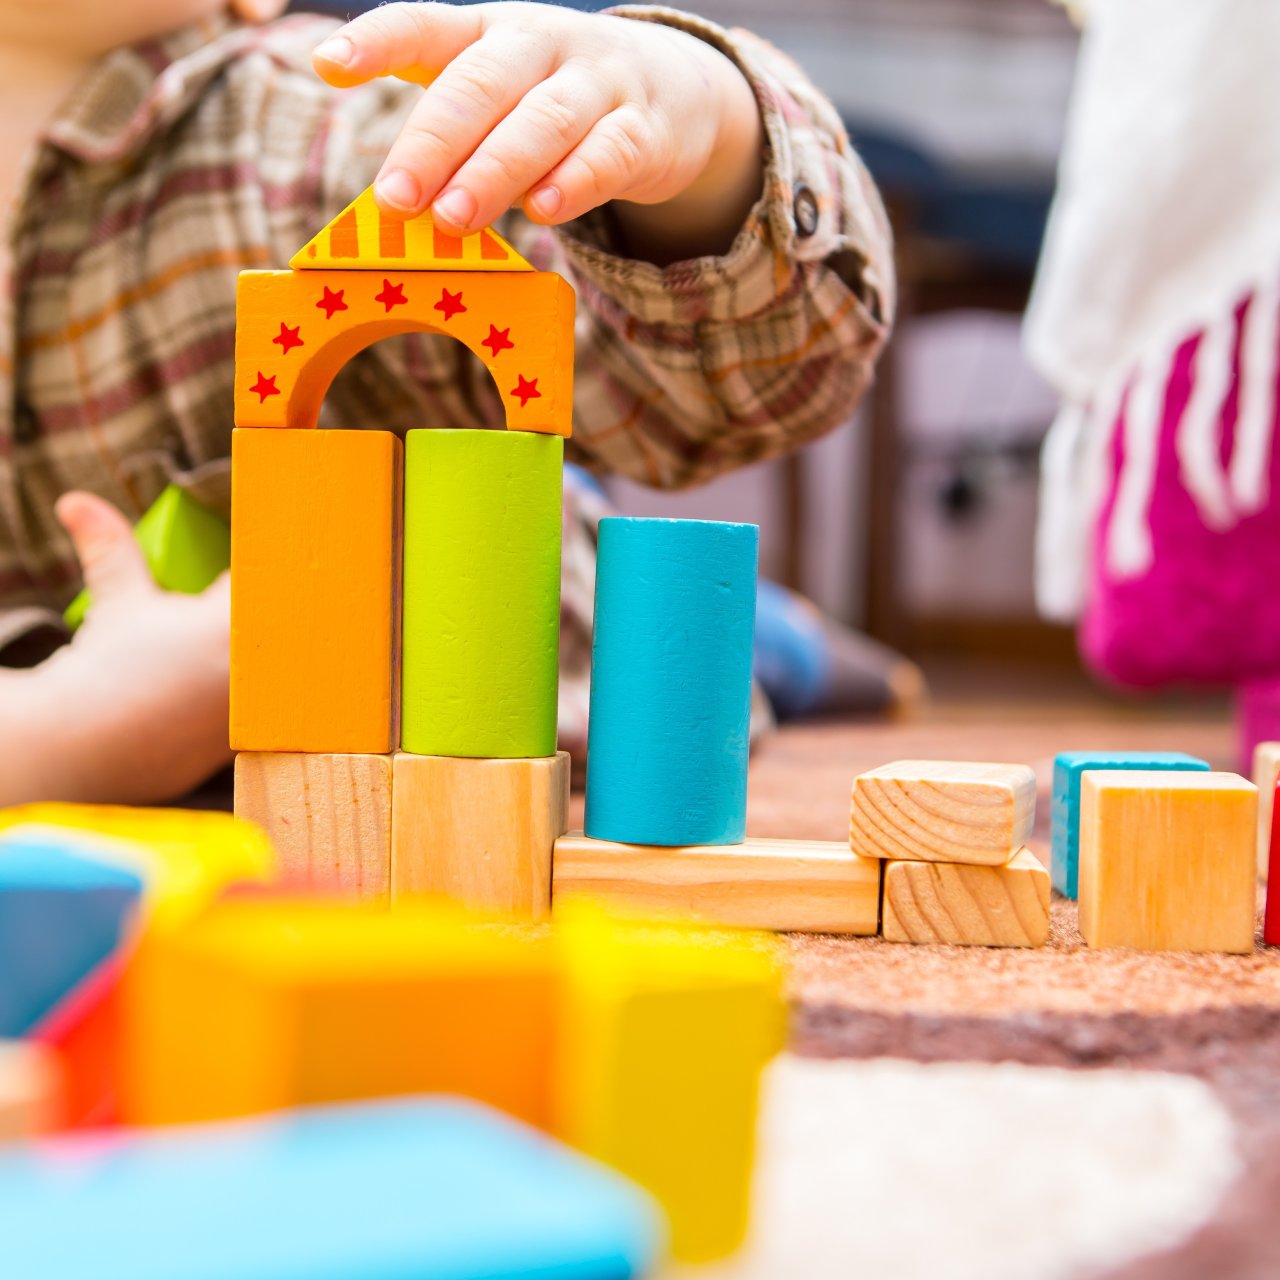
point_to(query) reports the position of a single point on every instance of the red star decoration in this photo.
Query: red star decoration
(526, 390)
(498, 340)
(450, 303)
(288, 338)
(392, 295)
(331, 302)
(265, 388)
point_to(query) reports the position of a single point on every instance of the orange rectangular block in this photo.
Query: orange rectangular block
(315, 598)
(269, 1003)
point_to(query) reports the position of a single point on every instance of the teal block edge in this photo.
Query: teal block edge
(1068, 768)
(186, 547)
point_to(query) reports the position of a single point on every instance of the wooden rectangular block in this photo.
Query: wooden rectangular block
(328, 815)
(315, 615)
(811, 886)
(968, 906)
(1168, 861)
(428, 1188)
(264, 1003)
(1266, 772)
(943, 811)
(29, 1090)
(478, 831)
(665, 1031)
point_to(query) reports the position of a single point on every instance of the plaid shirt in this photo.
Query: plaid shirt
(180, 163)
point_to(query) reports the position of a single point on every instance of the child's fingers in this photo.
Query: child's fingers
(554, 117)
(614, 161)
(110, 558)
(399, 37)
(472, 94)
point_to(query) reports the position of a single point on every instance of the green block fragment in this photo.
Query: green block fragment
(186, 547)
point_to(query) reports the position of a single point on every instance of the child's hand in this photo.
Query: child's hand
(558, 111)
(136, 706)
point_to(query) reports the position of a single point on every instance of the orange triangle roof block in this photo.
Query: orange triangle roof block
(363, 238)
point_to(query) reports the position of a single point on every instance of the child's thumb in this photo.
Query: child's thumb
(110, 558)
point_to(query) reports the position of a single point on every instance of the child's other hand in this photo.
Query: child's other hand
(142, 688)
(558, 111)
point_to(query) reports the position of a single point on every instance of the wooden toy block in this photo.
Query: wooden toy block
(329, 817)
(296, 329)
(1271, 920)
(1068, 768)
(479, 831)
(185, 544)
(965, 905)
(671, 682)
(61, 915)
(29, 1090)
(315, 618)
(1266, 772)
(483, 515)
(943, 811)
(665, 1032)
(185, 857)
(1167, 860)
(363, 238)
(265, 1003)
(792, 885)
(432, 1189)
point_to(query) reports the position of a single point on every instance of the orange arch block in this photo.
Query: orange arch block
(296, 329)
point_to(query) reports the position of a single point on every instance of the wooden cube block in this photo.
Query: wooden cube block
(665, 1031)
(1271, 920)
(1168, 861)
(264, 1003)
(29, 1090)
(943, 811)
(1266, 772)
(315, 595)
(968, 906)
(429, 1188)
(793, 885)
(329, 817)
(478, 831)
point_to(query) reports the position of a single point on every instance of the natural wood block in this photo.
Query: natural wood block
(329, 817)
(1266, 772)
(262, 1004)
(1168, 861)
(664, 1032)
(315, 619)
(943, 811)
(959, 905)
(479, 831)
(29, 1090)
(811, 886)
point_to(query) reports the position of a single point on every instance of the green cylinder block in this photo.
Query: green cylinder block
(481, 593)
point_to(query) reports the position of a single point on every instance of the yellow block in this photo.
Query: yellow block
(665, 1033)
(269, 1003)
(186, 857)
(1167, 860)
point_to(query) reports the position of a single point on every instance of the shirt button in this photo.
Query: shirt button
(804, 206)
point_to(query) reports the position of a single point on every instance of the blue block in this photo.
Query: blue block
(1067, 769)
(61, 915)
(420, 1189)
(671, 682)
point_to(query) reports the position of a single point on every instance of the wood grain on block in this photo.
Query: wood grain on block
(329, 817)
(813, 886)
(1168, 861)
(1266, 772)
(478, 831)
(29, 1090)
(943, 811)
(967, 905)
(315, 622)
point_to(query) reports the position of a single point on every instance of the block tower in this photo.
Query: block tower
(379, 767)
